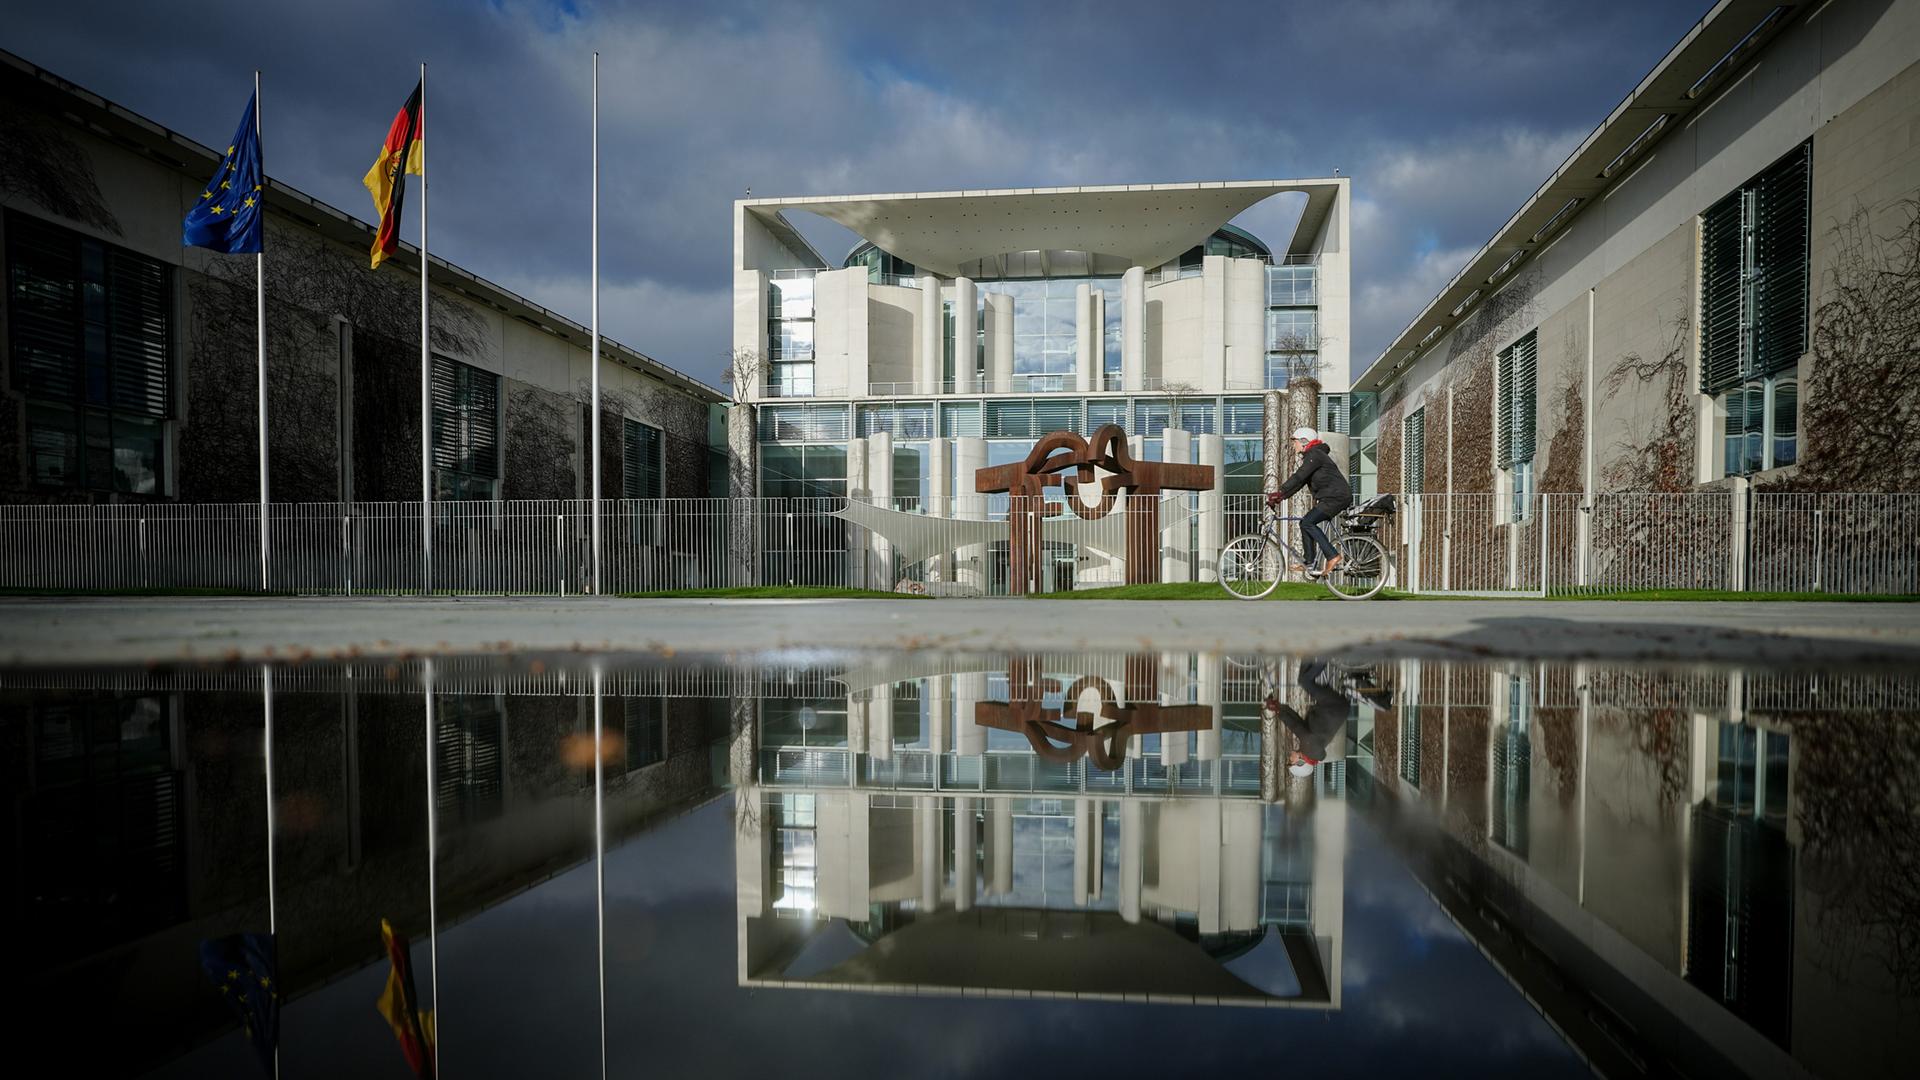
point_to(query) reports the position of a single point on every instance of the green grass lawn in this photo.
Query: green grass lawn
(778, 592)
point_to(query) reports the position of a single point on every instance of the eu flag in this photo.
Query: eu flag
(227, 216)
(244, 969)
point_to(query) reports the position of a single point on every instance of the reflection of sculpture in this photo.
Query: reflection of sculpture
(1103, 735)
(1047, 465)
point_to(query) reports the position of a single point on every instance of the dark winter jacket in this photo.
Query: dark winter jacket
(1319, 475)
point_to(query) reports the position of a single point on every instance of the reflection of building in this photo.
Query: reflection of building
(137, 822)
(890, 839)
(1633, 836)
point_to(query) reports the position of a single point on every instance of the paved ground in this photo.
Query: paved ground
(140, 630)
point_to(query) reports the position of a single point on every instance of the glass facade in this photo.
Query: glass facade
(790, 334)
(1045, 348)
(1293, 324)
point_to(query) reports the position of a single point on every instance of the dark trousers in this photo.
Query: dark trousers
(1311, 535)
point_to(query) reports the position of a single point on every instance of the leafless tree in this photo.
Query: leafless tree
(742, 376)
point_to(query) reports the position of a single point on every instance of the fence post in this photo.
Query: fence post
(1546, 524)
(346, 550)
(143, 553)
(1737, 529)
(1818, 547)
(560, 549)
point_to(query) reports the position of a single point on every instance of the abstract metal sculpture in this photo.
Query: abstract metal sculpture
(1066, 460)
(1102, 735)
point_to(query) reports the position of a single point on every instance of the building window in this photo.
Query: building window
(1515, 398)
(90, 337)
(804, 423)
(1293, 342)
(1753, 300)
(1332, 414)
(1413, 452)
(641, 475)
(913, 421)
(1293, 286)
(1513, 769)
(1762, 425)
(469, 731)
(790, 336)
(466, 431)
(646, 733)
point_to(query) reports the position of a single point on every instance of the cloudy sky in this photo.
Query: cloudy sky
(1446, 113)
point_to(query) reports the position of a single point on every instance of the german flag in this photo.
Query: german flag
(411, 1025)
(387, 181)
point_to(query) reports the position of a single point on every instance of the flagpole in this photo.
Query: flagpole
(433, 853)
(595, 452)
(426, 360)
(260, 308)
(273, 902)
(600, 848)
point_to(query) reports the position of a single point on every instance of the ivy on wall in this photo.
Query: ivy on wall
(42, 166)
(1658, 453)
(1567, 417)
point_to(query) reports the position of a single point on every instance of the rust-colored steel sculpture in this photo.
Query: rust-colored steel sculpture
(1065, 460)
(1102, 735)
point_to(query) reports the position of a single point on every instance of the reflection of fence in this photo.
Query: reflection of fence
(1470, 543)
(1620, 541)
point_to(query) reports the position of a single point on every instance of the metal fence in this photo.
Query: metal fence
(963, 545)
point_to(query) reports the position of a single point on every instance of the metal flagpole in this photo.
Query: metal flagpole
(260, 307)
(600, 849)
(594, 452)
(426, 361)
(273, 901)
(433, 855)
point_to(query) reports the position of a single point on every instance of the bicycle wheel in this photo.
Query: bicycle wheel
(1249, 567)
(1362, 571)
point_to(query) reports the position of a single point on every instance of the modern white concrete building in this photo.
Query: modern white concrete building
(966, 324)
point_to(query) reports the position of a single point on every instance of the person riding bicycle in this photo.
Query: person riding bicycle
(1320, 476)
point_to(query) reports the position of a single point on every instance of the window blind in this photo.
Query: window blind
(466, 418)
(1782, 202)
(1414, 454)
(641, 476)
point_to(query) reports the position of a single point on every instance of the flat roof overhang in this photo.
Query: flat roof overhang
(1601, 160)
(1147, 224)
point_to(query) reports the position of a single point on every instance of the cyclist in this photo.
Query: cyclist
(1320, 476)
(1315, 735)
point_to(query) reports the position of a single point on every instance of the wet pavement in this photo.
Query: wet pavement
(929, 863)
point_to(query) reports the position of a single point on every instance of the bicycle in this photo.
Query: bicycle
(1252, 565)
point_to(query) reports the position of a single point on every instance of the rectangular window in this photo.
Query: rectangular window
(641, 475)
(1413, 452)
(960, 419)
(466, 430)
(803, 423)
(901, 421)
(1244, 416)
(1332, 412)
(1293, 330)
(1100, 413)
(1753, 307)
(645, 731)
(1283, 368)
(1030, 419)
(1515, 401)
(1292, 286)
(90, 340)
(790, 336)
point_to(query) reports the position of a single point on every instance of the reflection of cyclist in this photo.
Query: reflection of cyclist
(1315, 732)
(1319, 475)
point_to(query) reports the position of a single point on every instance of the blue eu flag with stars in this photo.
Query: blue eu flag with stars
(228, 214)
(244, 969)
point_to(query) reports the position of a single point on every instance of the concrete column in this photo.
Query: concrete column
(966, 328)
(1176, 530)
(859, 489)
(880, 724)
(969, 690)
(969, 455)
(880, 482)
(1099, 376)
(1213, 683)
(939, 499)
(965, 858)
(1132, 842)
(1213, 506)
(1086, 339)
(939, 691)
(926, 358)
(1213, 322)
(743, 482)
(1086, 850)
(859, 707)
(927, 809)
(1133, 327)
(1172, 682)
(1001, 813)
(999, 328)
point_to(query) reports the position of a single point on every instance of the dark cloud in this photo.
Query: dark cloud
(1446, 114)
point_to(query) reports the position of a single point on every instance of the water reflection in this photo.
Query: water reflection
(1703, 870)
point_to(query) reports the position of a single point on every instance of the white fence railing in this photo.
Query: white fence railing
(963, 545)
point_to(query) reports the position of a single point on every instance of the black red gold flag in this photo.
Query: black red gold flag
(404, 152)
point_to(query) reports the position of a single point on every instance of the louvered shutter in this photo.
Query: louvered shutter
(1334, 414)
(137, 345)
(1503, 408)
(640, 474)
(1100, 413)
(960, 420)
(1782, 198)
(466, 419)
(43, 310)
(1245, 416)
(1722, 293)
(803, 423)
(1414, 458)
(1525, 395)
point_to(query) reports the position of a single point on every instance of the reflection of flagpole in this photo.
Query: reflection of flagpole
(426, 362)
(600, 847)
(433, 851)
(595, 450)
(273, 903)
(260, 306)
